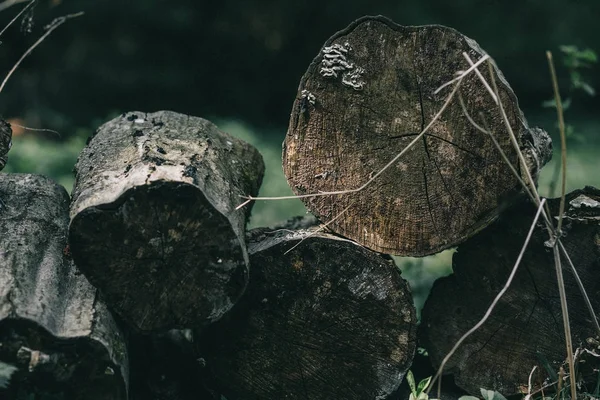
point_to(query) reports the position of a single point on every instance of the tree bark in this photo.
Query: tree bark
(328, 320)
(53, 327)
(153, 219)
(5, 142)
(526, 326)
(369, 92)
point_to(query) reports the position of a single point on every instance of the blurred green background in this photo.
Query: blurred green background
(239, 62)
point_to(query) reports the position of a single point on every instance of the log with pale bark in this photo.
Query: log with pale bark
(153, 219)
(57, 338)
(327, 320)
(526, 328)
(368, 93)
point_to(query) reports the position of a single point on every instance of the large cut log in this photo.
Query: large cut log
(525, 329)
(54, 329)
(153, 220)
(369, 92)
(328, 320)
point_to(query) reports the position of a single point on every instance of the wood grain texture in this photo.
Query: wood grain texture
(53, 326)
(526, 326)
(153, 219)
(366, 95)
(328, 320)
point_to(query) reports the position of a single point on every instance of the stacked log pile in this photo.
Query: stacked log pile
(205, 309)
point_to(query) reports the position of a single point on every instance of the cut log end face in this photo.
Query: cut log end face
(167, 258)
(525, 328)
(5, 142)
(329, 320)
(51, 368)
(366, 96)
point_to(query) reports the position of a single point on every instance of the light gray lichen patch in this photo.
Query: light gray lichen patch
(336, 62)
(584, 201)
(308, 96)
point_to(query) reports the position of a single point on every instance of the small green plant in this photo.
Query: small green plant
(417, 391)
(575, 61)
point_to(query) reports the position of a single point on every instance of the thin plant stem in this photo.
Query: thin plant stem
(586, 298)
(563, 140)
(9, 3)
(417, 138)
(320, 229)
(488, 312)
(553, 236)
(55, 24)
(17, 16)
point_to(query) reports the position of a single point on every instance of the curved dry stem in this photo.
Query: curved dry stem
(417, 138)
(17, 16)
(563, 140)
(9, 3)
(488, 312)
(55, 24)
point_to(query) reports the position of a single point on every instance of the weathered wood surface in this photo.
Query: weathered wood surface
(153, 220)
(366, 95)
(5, 142)
(53, 326)
(527, 321)
(329, 320)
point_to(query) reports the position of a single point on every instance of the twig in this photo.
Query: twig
(546, 214)
(563, 140)
(529, 386)
(321, 228)
(53, 25)
(36, 129)
(492, 306)
(553, 236)
(417, 138)
(17, 16)
(586, 298)
(9, 3)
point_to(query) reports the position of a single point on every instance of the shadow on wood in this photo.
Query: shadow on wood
(526, 327)
(328, 320)
(153, 219)
(54, 329)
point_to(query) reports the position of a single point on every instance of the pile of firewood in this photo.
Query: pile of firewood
(145, 283)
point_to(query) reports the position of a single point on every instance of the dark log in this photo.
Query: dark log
(526, 326)
(164, 367)
(366, 95)
(53, 327)
(328, 320)
(153, 220)
(5, 142)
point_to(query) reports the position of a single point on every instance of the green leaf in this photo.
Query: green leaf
(587, 55)
(588, 89)
(468, 398)
(491, 395)
(423, 385)
(552, 104)
(568, 49)
(411, 382)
